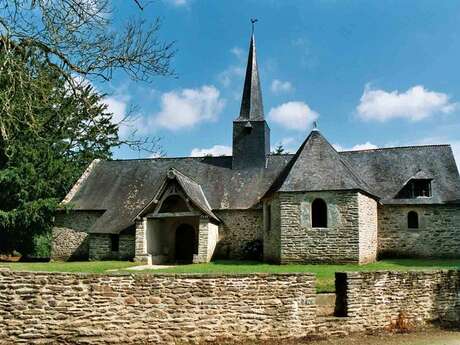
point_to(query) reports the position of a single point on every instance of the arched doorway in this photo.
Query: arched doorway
(185, 244)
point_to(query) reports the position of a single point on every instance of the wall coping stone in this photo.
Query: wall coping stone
(358, 273)
(159, 274)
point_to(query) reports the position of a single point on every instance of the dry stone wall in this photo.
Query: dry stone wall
(438, 234)
(272, 236)
(54, 308)
(70, 237)
(100, 247)
(368, 223)
(376, 300)
(300, 242)
(58, 308)
(238, 228)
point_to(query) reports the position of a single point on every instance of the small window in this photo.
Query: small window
(115, 243)
(319, 214)
(416, 188)
(268, 217)
(412, 220)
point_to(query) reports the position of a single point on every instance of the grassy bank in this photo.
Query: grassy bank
(83, 266)
(325, 274)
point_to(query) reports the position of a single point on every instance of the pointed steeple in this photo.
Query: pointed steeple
(251, 134)
(251, 104)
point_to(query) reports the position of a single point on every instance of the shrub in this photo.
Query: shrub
(42, 245)
(253, 250)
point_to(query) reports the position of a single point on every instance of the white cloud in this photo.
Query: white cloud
(417, 103)
(238, 52)
(227, 76)
(279, 86)
(118, 106)
(187, 107)
(456, 149)
(216, 150)
(178, 3)
(293, 115)
(366, 146)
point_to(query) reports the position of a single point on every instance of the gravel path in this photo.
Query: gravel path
(428, 337)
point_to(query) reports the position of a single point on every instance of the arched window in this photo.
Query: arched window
(319, 214)
(412, 220)
(173, 203)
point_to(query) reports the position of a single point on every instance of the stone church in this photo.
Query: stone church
(317, 205)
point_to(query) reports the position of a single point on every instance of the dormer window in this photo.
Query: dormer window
(416, 188)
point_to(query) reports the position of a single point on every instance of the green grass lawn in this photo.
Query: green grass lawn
(58, 266)
(325, 274)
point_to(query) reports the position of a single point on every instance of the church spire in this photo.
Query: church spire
(251, 103)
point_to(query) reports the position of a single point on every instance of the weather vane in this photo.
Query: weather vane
(253, 22)
(315, 125)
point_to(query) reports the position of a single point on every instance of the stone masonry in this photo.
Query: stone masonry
(100, 247)
(72, 308)
(368, 228)
(208, 234)
(238, 228)
(376, 299)
(339, 242)
(272, 250)
(438, 234)
(141, 254)
(70, 237)
(59, 308)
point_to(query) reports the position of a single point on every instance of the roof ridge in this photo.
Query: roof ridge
(161, 158)
(177, 171)
(397, 147)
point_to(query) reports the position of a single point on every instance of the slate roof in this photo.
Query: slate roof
(191, 188)
(317, 166)
(387, 170)
(124, 187)
(252, 107)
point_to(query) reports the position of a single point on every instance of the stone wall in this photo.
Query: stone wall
(438, 234)
(368, 224)
(375, 300)
(70, 238)
(130, 309)
(100, 247)
(272, 233)
(238, 228)
(208, 235)
(56, 308)
(300, 243)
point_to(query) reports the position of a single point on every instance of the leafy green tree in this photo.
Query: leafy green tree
(52, 122)
(44, 154)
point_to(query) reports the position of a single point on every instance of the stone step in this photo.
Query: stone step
(325, 304)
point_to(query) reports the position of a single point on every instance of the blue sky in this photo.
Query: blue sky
(373, 73)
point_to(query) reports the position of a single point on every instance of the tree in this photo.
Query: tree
(52, 121)
(279, 150)
(42, 159)
(76, 37)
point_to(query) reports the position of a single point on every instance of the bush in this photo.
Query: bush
(253, 250)
(42, 245)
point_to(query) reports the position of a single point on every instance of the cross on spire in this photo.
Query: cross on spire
(253, 23)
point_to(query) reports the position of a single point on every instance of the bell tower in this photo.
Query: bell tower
(251, 134)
